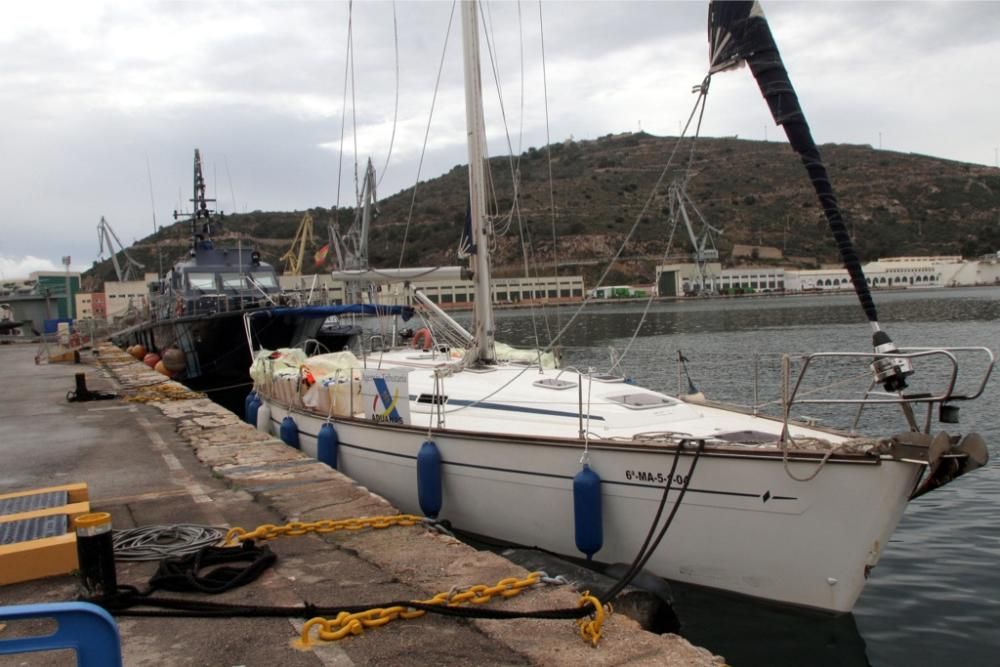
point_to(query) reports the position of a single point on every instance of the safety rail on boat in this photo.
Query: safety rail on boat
(168, 307)
(871, 397)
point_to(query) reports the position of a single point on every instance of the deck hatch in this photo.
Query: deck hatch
(553, 383)
(642, 401)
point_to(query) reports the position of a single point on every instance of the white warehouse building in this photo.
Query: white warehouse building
(888, 273)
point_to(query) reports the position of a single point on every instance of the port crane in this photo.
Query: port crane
(107, 239)
(303, 238)
(702, 241)
(351, 247)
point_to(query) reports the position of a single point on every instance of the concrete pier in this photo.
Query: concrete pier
(161, 455)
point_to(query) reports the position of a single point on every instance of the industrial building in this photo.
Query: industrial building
(887, 272)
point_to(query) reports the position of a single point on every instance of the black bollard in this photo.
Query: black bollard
(81, 386)
(96, 554)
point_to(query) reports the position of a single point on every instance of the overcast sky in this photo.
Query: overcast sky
(91, 92)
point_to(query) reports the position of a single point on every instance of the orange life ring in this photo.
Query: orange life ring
(423, 338)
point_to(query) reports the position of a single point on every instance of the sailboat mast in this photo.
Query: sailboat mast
(194, 198)
(479, 260)
(369, 196)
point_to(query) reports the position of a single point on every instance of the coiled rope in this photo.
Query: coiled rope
(159, 542)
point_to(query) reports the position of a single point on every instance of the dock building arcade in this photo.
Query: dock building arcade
(890, 273)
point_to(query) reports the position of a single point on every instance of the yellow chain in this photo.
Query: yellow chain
(590, 630)
(269, 531)
(354, 624)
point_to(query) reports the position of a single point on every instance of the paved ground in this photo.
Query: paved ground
(176, 461)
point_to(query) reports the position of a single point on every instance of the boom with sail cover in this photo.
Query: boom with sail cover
(738, 33)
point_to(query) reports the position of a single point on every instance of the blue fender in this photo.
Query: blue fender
(587, 511)
(326, 445)
(249, 411)
(429, 479)
(290, 432)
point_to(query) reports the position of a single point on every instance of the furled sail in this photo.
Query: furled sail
(467, 243)
(738, 33)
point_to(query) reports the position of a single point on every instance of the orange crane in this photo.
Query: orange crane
(303, 238)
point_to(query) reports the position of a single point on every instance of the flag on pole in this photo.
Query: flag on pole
(320, 256)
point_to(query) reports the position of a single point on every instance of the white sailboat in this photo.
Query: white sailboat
(493, 442)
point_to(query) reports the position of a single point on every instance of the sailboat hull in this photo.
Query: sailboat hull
(744, 525)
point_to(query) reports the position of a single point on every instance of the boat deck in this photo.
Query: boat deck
(521, 399)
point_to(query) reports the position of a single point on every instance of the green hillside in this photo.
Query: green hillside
(757, 192)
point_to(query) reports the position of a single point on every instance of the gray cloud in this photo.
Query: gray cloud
(89, 90)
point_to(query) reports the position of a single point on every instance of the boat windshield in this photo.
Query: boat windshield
(204, 282)
(265, 280)
(235, 281)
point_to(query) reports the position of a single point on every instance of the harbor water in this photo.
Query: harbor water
(934, 597)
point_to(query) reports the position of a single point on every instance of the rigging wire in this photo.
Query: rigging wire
(649, 301)
(395, 107)
(702, 92)
(520, 122)
(354, 121)
(548, 152)
(152, 203)
(343, 113)
(427, 131)
(229, 178)
(486, 15)
(524, 231)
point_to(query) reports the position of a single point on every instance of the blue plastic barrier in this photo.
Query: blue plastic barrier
(83, 627)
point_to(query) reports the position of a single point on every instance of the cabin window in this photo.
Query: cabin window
(204, 282)
(433, 399)
(265, 280)
(233, 281)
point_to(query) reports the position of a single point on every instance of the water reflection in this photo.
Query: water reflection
(750, 634)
